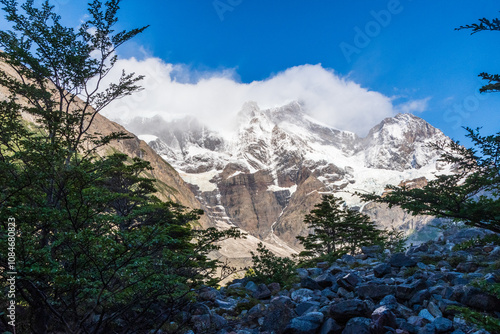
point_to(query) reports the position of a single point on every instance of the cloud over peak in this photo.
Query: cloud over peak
(215, 98)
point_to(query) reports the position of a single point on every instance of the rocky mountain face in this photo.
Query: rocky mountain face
(278, 163)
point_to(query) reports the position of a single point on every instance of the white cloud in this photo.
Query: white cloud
(216, 97)
(413, 106)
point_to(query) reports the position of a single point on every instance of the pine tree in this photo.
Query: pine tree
(337, 230)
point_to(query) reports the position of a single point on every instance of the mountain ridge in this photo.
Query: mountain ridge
(279, 161)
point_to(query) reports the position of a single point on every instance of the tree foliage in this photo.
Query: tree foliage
(96, 251)
(486, 25)
(471, 194)
(337, 230)
(270, 268)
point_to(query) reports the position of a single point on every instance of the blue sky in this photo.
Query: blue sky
(408, 51)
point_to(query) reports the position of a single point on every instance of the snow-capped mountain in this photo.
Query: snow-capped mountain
(278, 163)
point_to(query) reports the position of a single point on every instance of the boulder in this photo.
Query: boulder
(278, 315)
(401, 260)
(325, 280)
(349, 281)
(302, 295)
(382, 318)
(262, 292)
(381, 270)
(427, 329)
(330, 327)
(347, 309)
(306, 324)
(309, 283)
(425, 314)
(389, 301)
(251, 286)
(480, 300)
(201, 323)
(375, 291)
(407, 290)
(208, 294)
(305, 306)
(357, 326)
(442, 325)
(274, 288)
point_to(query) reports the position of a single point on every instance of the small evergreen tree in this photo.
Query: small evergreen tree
(270, 268)
(337, 230)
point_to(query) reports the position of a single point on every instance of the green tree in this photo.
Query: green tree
(486, 25)
(270, 268)
(337, 230)
(471, 194)
(96, 251)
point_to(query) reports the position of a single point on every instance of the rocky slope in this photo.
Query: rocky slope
(369, 293)
(278, 163)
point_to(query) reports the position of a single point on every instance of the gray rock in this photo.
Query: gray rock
(467, 267)
(407, 290)
(425, 314)
(328, 293)
(305, 324)
(381, 270)
(255, 312)
(251, 286)
(480, 300)
(330, 327)
(347, 309)
(309, 283)
(389, 301)
(199, 309)
(349, 281)
(382, 317)
(357, 326)
(401, 260)
(322, 265)
(334, 269)
(236, 286)
(466, 235)
(278, 315)
(201, 323)
(315, 271)
(274, 288)
(208, 294)
(229, 304)
(442, 325)
(302, 295)
(217, 321)
(325, 280)
(417, 321)
(305, 306)
(303, 273)
(434, 310)
(495, 253)
(375, 291)
(427, 329)
(348, 259)
(262, 292)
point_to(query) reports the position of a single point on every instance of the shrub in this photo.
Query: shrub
(270, 268)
